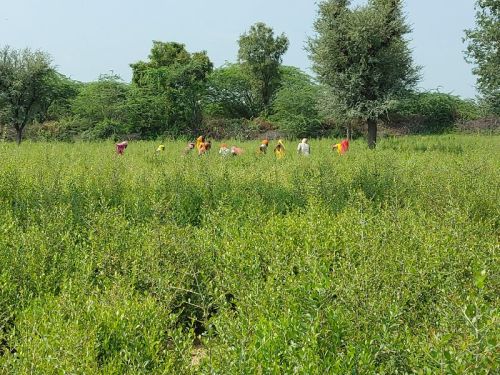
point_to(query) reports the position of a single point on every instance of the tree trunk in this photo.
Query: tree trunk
(19, 135)
(372, 133)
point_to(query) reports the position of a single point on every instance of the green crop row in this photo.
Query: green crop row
(378, 261)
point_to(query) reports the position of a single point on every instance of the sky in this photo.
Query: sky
(87, 38)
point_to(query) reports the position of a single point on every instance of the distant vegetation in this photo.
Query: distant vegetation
(364, 75)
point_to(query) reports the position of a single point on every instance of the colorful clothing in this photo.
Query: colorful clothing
(342, 147)
(120, 147)
(279, 150)
(199, 142)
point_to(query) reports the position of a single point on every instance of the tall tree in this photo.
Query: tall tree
(101, 107)
(261, 54)
(295, 103)
(362, 55)
(24, 86)
(176, 78)
(484, 50)
(101, 100)
(230, 94)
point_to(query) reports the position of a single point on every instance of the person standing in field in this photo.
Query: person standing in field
(263, 147)
(202, 149)
(279, 150)
(304, 148)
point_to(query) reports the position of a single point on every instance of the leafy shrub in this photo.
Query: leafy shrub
(432, 112)
(295, 104)
(105, 129)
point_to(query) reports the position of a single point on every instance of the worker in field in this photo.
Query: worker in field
(224, 150)
(263, 147)
(341, 147)
(204, 147)
(201, 149)
(279, 150)
(236, 151)
(190, 147)
(304, 148)
(200, 141)
(120, 147)
(160, 149)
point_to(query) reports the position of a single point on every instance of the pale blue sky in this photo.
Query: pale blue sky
(90, 37)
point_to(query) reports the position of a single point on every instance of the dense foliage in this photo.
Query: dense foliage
(295, 105)
(168, 90)
(101, 107)
(374, 262)
(484, 51)
(260, 54)
(432, 112)
(231, 95)
(365, 76)
(26, 79)
(362, 55)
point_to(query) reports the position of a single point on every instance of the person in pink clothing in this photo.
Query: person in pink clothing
(120, 147)
(236, 151)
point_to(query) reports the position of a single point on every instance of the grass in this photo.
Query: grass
(380, 261)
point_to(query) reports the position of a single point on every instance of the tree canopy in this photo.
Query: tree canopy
(295, 103)
(261, 54)
(362, 55)
(175, 80)
(484, 51)
(230, 94)
(26, 79)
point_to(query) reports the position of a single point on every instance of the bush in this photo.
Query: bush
(105, 129)
(431, 112)
(295, 104)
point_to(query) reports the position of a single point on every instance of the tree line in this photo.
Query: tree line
(364, 75)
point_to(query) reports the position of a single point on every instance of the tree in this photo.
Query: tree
(176, 78)
(261, 54)
(102, 107)
(295, 103)
(102, 100)
(484, 51)
(362, 55)
(24, 86)
(62, 92)
(230, 94)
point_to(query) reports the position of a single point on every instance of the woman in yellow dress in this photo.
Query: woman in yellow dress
(200, 142)
(279, 150)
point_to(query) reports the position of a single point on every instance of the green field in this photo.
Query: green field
(381, 261)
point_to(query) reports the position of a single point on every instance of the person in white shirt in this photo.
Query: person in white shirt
(304, 148)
